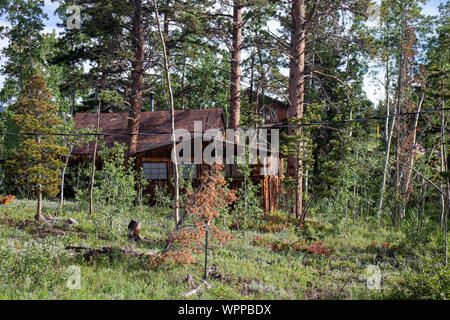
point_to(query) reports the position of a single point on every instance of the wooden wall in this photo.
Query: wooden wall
(270, 186)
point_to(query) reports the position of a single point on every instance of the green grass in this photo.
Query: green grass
(32, 267)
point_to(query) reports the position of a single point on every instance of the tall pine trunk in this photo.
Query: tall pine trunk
(137, 77)
(39, 216)
(63, 178)
(296, 95)
(235, 90)
(30, 56)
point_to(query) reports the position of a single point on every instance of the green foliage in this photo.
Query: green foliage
(142, 184)
(111, 97)
(241, 269)
(194, 85)
(115, 184)
(249, 117)
(29, 265)
(163, 199)
(418, 231)
(248, 207)
(342, 162)
(184, 183)
(426, 281)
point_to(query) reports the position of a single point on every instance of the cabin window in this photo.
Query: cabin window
(268, 114)
(187, 167)
(232, 171)
(155, 170)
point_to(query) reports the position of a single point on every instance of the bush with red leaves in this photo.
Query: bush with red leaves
(6, 200)
(203, 206)
(318, 248)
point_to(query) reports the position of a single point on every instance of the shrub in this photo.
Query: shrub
(30, 266)
(162, 197)
(427, 280)
(318, 248)
(6, 200)
(248, 206)
(115, 184)
(204, 207)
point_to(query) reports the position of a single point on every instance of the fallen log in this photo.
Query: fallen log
(196, 289)
(40, 229)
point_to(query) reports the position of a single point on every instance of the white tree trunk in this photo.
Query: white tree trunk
(94, 156)
(172, 118)
(63, 177)
(386, 168)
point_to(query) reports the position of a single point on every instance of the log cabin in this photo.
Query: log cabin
(272, 111)
(154, 148)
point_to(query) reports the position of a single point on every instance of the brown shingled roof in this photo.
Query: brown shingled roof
(151, 122)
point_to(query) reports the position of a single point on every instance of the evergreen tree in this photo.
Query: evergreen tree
(37, 162)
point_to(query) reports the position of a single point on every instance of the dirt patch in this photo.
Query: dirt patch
(89, 254)
(215, 273)
(327, 293)
(40, 229)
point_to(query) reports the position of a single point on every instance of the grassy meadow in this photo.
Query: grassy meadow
(259, 263)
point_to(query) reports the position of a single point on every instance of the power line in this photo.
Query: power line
(362, 119)
(278, 126)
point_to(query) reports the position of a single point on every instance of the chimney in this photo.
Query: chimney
(152, 101)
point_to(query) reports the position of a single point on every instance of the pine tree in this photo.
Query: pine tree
(313, 38)
(37, 163)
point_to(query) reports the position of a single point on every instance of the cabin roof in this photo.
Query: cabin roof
(268, 100)
(157, 124)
